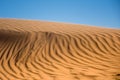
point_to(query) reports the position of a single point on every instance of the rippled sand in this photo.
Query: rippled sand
(39, 50)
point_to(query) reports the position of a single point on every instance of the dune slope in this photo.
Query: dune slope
(38, 50)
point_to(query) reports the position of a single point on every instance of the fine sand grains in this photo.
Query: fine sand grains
(39, 50)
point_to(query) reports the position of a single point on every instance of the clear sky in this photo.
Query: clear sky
(104, 13)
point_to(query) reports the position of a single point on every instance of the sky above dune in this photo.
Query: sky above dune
(104, 13)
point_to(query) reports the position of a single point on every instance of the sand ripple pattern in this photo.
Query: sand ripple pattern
(33, 50)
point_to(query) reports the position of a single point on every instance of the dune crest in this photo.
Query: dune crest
(38, 50)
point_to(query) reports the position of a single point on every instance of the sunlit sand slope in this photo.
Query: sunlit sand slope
(38, 50)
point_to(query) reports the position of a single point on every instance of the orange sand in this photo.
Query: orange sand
(39, 50)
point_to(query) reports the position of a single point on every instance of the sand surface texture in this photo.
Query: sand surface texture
(39, 50)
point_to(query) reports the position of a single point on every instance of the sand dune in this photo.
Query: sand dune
(39, 50)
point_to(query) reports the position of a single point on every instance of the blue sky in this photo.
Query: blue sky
(104, 13)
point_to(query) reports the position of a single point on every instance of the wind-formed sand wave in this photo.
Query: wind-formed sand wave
(38, 50)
